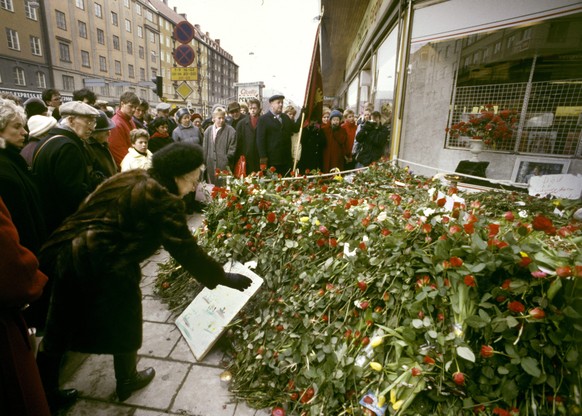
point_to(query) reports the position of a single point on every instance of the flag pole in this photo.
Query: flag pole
(309, 79)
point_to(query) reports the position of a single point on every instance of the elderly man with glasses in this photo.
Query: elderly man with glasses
(61, 164)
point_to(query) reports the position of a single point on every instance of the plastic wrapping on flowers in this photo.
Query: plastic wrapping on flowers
(391, 289)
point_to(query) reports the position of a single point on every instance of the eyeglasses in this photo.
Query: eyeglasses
(91, 122)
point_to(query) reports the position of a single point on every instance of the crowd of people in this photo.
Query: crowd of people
(87, 193)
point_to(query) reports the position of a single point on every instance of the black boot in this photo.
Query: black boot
(128, 378)
(49, 366)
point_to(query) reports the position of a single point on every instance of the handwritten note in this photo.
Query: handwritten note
(561, 186)
(208, 315)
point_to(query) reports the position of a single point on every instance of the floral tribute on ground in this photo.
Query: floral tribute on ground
(391, 292)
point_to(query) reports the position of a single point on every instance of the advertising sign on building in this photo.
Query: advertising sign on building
(246, 91)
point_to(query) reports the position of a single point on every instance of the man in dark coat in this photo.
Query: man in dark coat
(95, 259)
(246, 137)
(61, 163)
(373, 138)
(97, 146)
(274, 131)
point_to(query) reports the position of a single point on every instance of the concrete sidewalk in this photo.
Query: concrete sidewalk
(182, 385)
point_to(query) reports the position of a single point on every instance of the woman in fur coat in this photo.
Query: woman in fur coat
(95, 259)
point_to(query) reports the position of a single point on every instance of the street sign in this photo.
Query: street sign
(184, 55)
(184, 32)
(184, 90)
(184, 74)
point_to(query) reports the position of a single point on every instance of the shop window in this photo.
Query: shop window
(536, 79)
(385, 75)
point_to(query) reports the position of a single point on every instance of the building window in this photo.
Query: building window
(126, 3)
(19, 78)
(100, 36)
(129, 47)
(35, 46)
(41, 79)
(114, 19)
(152, 37)
(149, 15)
(65, 52)
(138, 9)
(102, 64)
(85, 59)
(98, 11)
(127, 25)
(30, 11)
(141, 52)
(80, 4)
(82, 29)
(140, 31)
(131, 71)
(118, 67)
(68, 83)
(116, 42)
(13, 41)
(142, 74)
(61, 20)
(7, 5)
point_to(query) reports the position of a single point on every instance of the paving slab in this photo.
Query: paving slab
(85, 407)
(160, 393)
(95, 378)
(204, 394)
(215, 357)
(148, 285)
(154, 310)
(159, 339)
(144, 412)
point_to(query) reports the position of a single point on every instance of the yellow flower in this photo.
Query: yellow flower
(376, 366)
(523, 254)
(304, 219)
(338, 178)
(398, 404)
(376, 341)
(393, 396)
(381, 401)
(317, 222)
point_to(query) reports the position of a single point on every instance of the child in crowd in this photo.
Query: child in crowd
(160, 136)
(138, 156)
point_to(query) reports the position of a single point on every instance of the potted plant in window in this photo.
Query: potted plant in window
(488, 127)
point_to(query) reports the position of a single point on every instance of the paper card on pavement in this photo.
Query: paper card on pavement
(208, 315)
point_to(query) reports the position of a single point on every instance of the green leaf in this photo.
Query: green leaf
(555, 287)
(530, 366)
(475, 321)
(502, 370)
(466, 353)
(511, 321)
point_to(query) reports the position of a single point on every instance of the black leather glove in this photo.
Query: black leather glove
(236, 281)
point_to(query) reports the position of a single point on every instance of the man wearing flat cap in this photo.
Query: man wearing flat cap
(234, 114)
(61, 164)
(274, 131)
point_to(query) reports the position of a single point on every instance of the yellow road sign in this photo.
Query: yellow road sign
(184, 74)
(184, 90)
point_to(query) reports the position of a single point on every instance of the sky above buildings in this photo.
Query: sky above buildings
(270, 40)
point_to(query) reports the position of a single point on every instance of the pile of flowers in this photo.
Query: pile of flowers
(488, 125)
(390, 294)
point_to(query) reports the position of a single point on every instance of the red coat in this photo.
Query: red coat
(350, 129)
(336, 148)
(119, 142)
(21, 391)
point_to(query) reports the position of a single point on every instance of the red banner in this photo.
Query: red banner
(314, 92)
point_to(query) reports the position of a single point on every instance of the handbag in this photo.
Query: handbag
(240, 169)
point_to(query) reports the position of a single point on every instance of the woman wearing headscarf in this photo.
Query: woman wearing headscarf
(95, 259)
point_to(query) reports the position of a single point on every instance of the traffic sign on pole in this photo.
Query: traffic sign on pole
(184, 55)
(184, 32)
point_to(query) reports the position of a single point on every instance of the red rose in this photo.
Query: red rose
(278, 411)
(470, 280)
(525, 261)
(456, 262)
(428, 360)
(509, 216)
(537, 313)
(362, 286)
(487, 351)
(455, 229)
(271, 217)
(541, 223)
(459, 378)
(516, 307)
(564, 271)
(493, 229)
(505, 284)
(469, 228)
(416, 371)
(501, 412)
